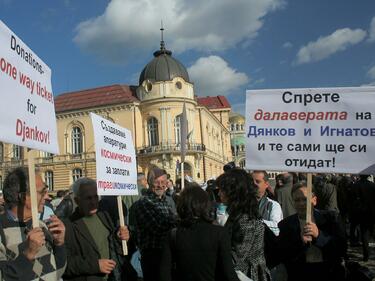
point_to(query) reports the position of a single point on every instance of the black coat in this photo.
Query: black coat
(83, 254)
(331, 241)
(363, 198)
(201, 252)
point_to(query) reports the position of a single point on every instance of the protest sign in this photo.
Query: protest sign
(27, 112)
(324, 130)
(116, 171)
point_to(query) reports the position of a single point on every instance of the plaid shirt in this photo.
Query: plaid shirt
(153, 220)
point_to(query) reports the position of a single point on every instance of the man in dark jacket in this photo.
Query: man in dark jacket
(364, 198)
(93, 244)
(313, 250)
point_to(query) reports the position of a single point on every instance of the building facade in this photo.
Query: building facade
(152, 111)
(237, 138)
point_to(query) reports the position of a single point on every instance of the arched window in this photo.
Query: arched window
(17, 152)
(152, 130)
(1, 152)
(77, 140)
(237, 127)
(232, 127)
(76, 174)
(48, 179)
(177, 128)
(241, 127)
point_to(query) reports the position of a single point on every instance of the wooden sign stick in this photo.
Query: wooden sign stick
(182, 176)
(308, 199)
(33, 197)
(122, 223)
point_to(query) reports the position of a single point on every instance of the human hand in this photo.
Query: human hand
(57, 229)
(311, 229)
(106, 266)
(35, 240)
(123, 233)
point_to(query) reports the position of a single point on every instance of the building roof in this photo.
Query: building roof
(163, 68)
(107, 95)
(117, 94)
(218, 102)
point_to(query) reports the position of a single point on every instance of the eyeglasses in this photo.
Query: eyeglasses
(160, 183)
(43, 191)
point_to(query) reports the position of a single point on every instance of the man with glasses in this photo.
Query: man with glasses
(29, 253)
(154, 218)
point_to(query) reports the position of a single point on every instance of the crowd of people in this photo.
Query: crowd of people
(236, 227)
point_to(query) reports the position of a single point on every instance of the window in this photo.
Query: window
(1, 152)
(76, 174)
(152, 129)
(177, 128)
(48, 179)
(232, 127)
(241, 127)
(237, 127)
(148, 87)
(77, 140)
(17, 152)
(47, 154)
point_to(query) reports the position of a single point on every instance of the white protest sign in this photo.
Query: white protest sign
(325, 130)
(27, 111)
(116, 171)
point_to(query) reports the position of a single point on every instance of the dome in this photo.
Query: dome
(163, 68)
(236, 118)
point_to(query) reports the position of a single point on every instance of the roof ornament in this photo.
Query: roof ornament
(162, 44)
(163, 50)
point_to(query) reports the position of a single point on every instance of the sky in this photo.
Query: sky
(227, 46)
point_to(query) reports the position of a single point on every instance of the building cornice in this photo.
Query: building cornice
(97, 110)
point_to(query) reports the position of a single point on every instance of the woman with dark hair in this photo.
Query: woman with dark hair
(237, 191)
(196, 250)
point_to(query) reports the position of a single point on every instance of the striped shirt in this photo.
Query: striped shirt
(49, 263)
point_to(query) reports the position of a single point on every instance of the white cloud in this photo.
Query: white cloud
(213, 76)
(371, 73)
(258, 81)
(287, 45)
(371, 31)
(128, 27)
(324, 47)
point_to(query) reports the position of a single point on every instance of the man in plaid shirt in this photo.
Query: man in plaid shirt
(153, 220)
